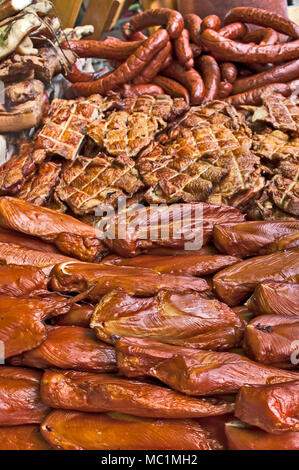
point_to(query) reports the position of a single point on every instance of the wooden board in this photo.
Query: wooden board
(102, 14)
(67, 11)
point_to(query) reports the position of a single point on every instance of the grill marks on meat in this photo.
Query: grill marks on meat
(157, 150)
(280, 112)
(124, 133)
(38, 189)
(88, 182)
(135, 125)
(207, 147)
(64, 131)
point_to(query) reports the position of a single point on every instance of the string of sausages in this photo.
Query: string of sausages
(198, 60)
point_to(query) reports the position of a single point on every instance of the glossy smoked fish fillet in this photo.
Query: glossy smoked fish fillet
(20, 401)
(17, 238)
(70, 347)
(249, 238)
(242, 437)
(212, 373)
(22, 256)
(234, 284)
(273, 408)
(275, 298)
(25, 437)
(22, 281)
(193, 372)
(69, 235)
(272, 339)
(96, 393)
(78, 277)
(22, 326)
(71, 430)
(136, 356)
(188, 320)
(179, 226)
(197, 265)
(79, 315)
(287, 243)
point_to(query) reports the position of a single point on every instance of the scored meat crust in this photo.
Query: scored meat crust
(157, 150)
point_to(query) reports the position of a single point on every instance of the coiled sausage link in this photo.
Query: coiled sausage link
(190, 79)
(170, 19)
(262, 37)
(210, 72)
(229, 72)
(154, 66)
(172, 87)
(127, 71)
(231, 50)
(263, 18)
(183, 51)
(279, 74)
(193, 23)
(234, 31)
(110, 48)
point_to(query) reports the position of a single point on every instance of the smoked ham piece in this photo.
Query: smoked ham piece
(22, 281)
(273, 408)
(197, 265)
(22, 326)
(96, 393)
(242, 437)
(275, 298)
(71, 430)
(234, 284)
(68, 347)
(189, 320)
(179, 226)
(273, 340)
(249, 238)
(71, 236)
(26, 437)
(192, 372)
(20, 401)
(78, 277)
(23, 256)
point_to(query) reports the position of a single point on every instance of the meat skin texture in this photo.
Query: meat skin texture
(115, 431)
(96, 393)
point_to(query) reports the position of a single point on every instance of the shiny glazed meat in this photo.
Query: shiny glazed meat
(79, 315)
(275, 298)
(197, 265)
(136, 356)
(188, 320)
(71, 430)
(71, 236)
(82, 391)
(22, 326)
(23, 256)
(68, 347)
(249, 238)
(193, 372)
(20, 401)
(25, 437)
(10, 236)
(18, 281)
(272, 339)
(140, 224)
(234, 284)
(241, 437)
(273, 408)
(78, 277)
